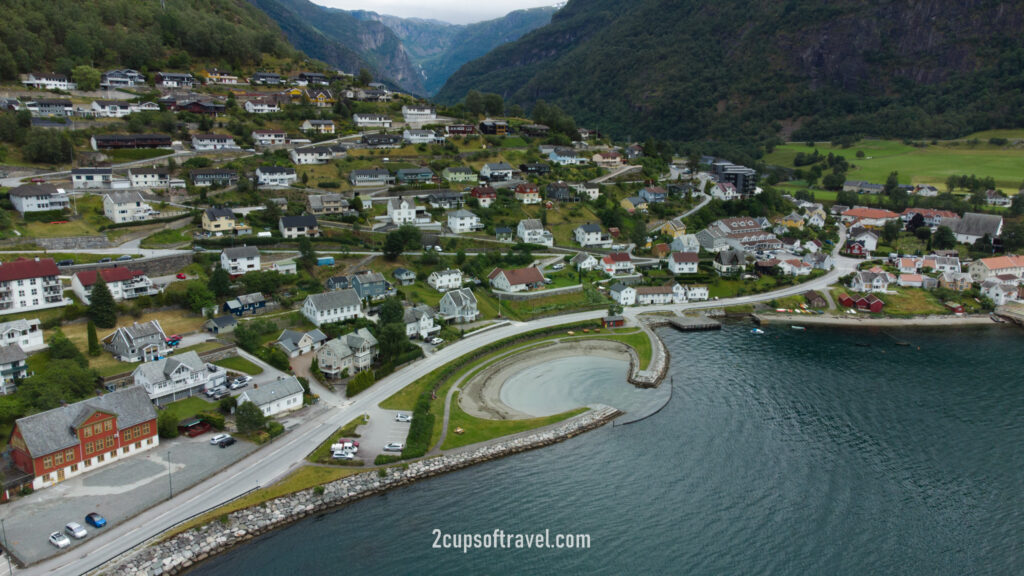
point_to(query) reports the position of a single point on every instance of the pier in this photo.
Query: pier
(685, 323)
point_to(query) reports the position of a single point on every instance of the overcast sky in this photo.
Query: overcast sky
(454, 11)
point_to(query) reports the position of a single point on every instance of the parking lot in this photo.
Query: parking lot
(380, 430)
(116, 491)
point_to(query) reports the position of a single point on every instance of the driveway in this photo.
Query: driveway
(117, 491)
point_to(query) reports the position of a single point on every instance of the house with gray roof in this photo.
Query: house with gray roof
(52, 446)
(295, 343)
(12, 367)
(405, 277)
(25, 332)
(281, 395)
(38, 198)
(336, 306)
(459, 306)
(237, 261)
(973, 227)
(137, 343)
(347, 354)
(246, 304)
(221, 325)
(177, 377)
(419, 322)
(371, 285)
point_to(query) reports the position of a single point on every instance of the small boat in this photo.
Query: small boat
(757, 331)
(997, 319)
(798, 328)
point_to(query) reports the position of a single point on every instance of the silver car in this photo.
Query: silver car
(75, 529)
(59, 540)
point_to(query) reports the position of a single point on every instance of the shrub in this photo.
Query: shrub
(227, 403)
(318, 490)
(360, 382)
(166, 425)
(215, 419)
(275, 429)
(383, 472)
(385, 459)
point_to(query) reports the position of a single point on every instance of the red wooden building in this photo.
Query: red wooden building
(870, 303)
(57, 444)
(613, 321)
(845, 300)
(955, 307)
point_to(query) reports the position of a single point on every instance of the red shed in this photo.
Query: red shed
(613, 321)
(845, 300)
(955, 308)
(870, 303)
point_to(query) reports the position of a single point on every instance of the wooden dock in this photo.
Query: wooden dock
(686, 323)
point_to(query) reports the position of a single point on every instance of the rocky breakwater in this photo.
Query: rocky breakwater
(186, 549)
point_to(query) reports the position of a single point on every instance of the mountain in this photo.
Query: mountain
(440, 48)
(344, 41)
(754, 70)
(57, 35)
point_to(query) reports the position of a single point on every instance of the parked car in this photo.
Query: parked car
(174, 340)
(558, 266)
(68, 262)
(403, 417)
(215, 390)
(239, 382)
(104, 260)
(181, 276)
(75, 529)
(124, 258)
(217, 439)
(95, 520)
(59, 540)
(343, 455)
(394, 447)
(226, 442)
(435, 340)
(349, 441)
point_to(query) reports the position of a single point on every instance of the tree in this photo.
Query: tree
(63, 349)
(943, 239)
(393, 245)
(1017, 205)
(199, 297)
(391, 311)
(62, 380)
(47, 146)
(951, 182)
(365, 77)
(392, 341)
(460, 257)
(916, 222)
(87, 77)
(102, 308)
(166, 425)
(891, 231)
(94, 341)
(892, 183)
(474, 103)
(220, 282)
(306, 253)
(846, 197)
(249, 418)
(923, 233)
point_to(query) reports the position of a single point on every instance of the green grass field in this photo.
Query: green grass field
(189, 407)
(167, 237)
(239, 364)
(928, 165)
(481, 430)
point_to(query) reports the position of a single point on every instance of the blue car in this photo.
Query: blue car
(95, 520)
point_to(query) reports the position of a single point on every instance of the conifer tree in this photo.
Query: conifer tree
(102, 309)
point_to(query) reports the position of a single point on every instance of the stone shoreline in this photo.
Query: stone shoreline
(866, 322)
(183, 551)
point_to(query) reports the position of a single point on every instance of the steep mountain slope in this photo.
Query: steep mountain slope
(747, 70)
(440, 48)
(58, 35)
(344, 41)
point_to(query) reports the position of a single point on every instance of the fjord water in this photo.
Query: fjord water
(789, 453)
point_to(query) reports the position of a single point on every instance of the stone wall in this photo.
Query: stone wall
(530, 295)
(73, 243)
(186, 549)
(155, 266)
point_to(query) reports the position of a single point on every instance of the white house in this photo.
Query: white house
(624, 295)
(269, 137)
(618, 263)
(211, 142)
(277, 176)
(49, 82)
(123, 283)
(496, 172)
(299, 226)
(419, 114)
(176, 377)
(671, 293)
(26, 333)
(444, 280)
(91, 178)
(261, 106)
(419, 322)
(590, 234)
(518, 280)
(318, 126)
(402, 211)
(413, 136)
(370, 177)
(683, 262)
(295, 343)
(347, 354)
(584, 261)
(461, 221)
(999, 292)
(237, 261)
(30, 285)
(371, 121)
(725, 191)
(335, 306)
(273, 398)
(874, 280)
(312, 155)
(153, 177)
(38, 198)
(532, 231)
(567, 157)
(696, 292)
(110, 108)
(459, 305)
(122, 207)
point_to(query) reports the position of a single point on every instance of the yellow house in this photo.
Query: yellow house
(295, 93)
(218, 220)
(320, 97)
(793, 220)
(634, 203)
(673, 228)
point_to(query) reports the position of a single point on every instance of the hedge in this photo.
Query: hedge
(385, 459)
(215, 419)
(359, 382)
(328, 185)
(45, 216)
(421, 430)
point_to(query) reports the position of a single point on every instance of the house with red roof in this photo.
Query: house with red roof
(868, 217)
(485, 195)
(124, 283)
(517, 280)
(683, 262)
(618, 263)
(30, 285)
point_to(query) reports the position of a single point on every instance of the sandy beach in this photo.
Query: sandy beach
(481, 395)
(862, 320)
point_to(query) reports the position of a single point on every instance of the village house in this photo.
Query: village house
(973, 227)
(123, 283)
(654, 194)
(633, 204)
(459, 129)
(456, 174)
(321, 204)
(152, 177)
(347, 354)
(998, 292)
(618, 263)
(590, 234)
(381, 141)
(213, 142)
(496, 172)
(819, 261)
(252, 303)
(685, 243)
(30, 285)
(985, 268)
(444, 280)
(27, 334)
(815, 299)
(446, 199)
(622, 294)
(607, 159)
(794, 267)
(312, 155)
(504, 234)
(121, 207)
(725, 191)
(49, 108)
(178, 377)
(673, 228)
(45, 81)
(517, 280)
(583, 261)
(867, 217)
(419, 114)
(419, 322)
(269, 137)
(527, 193)
(461, 221)
(13, 368)
(213, 176)
(413, 136)
(239, 260)
(420, 175)
(138, 342)
(873, 280)
(38, 198)
(276, 176)
(370, 285)
(997, 198)
(459, 306)
(371, 121)
(402, 211)
(336, 306)
(861, 242)
(123, 78)
(404, 276)
(337, 283)
(370, 177)
(567, 157)
(72, 439)
(930, 216)
(862, 187)
(671, 293)
(683, 262)
(295, 343)
(261, 105)
(792, 220)
(314, 126)
(91, 178)
(958, 281)
(729, 262)
(273, 398)
(266, 79)
(531, 231)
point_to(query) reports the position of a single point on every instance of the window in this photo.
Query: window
(124, 450)
(88, 462)
(100, 458)
(87, 432)
(58, 459)
(48, 462)
(97, 429)
(108, 425)
(138, 445)
(46, 477)
(150, 441)
(69, 455)
(110, 441)
(74, 467)
(126, 436)
(88, 447)
(145, 429)
(113, 453)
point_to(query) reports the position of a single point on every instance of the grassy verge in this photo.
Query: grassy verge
(322, 453)
(167, 237)
(481, 430)
(638, 341)
(239, 364)
(189, 407)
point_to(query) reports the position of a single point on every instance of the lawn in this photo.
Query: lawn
(637, 340)
(912, 302)
(87, 222)
(480, 430)
(926, 165)
(106, 365)
(168, 237)
(729, 287)
(189, 407)
(239, 364)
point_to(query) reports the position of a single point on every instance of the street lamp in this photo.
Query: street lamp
(170, 483)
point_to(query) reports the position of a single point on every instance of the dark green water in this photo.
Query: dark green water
(790, 453)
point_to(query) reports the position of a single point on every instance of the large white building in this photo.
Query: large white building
(402, 211)
(532, 231)
(38, 198)
(26, 333)
(371, 121)
(237, 261)
(336, 306)
(590, 234)
(91, 178)
(30, 285)
(212, 142)
(419, 114)
(444, 280)
(122, 207)
(459, 305)
(281, 395)
(349, 353)
(461, 221)
(176, 377)
(683, 262)
(123, 283)
(277, 176)
(153, 177)
(49, 81)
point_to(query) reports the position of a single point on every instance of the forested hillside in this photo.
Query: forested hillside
(753, 71)
(57, 35)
